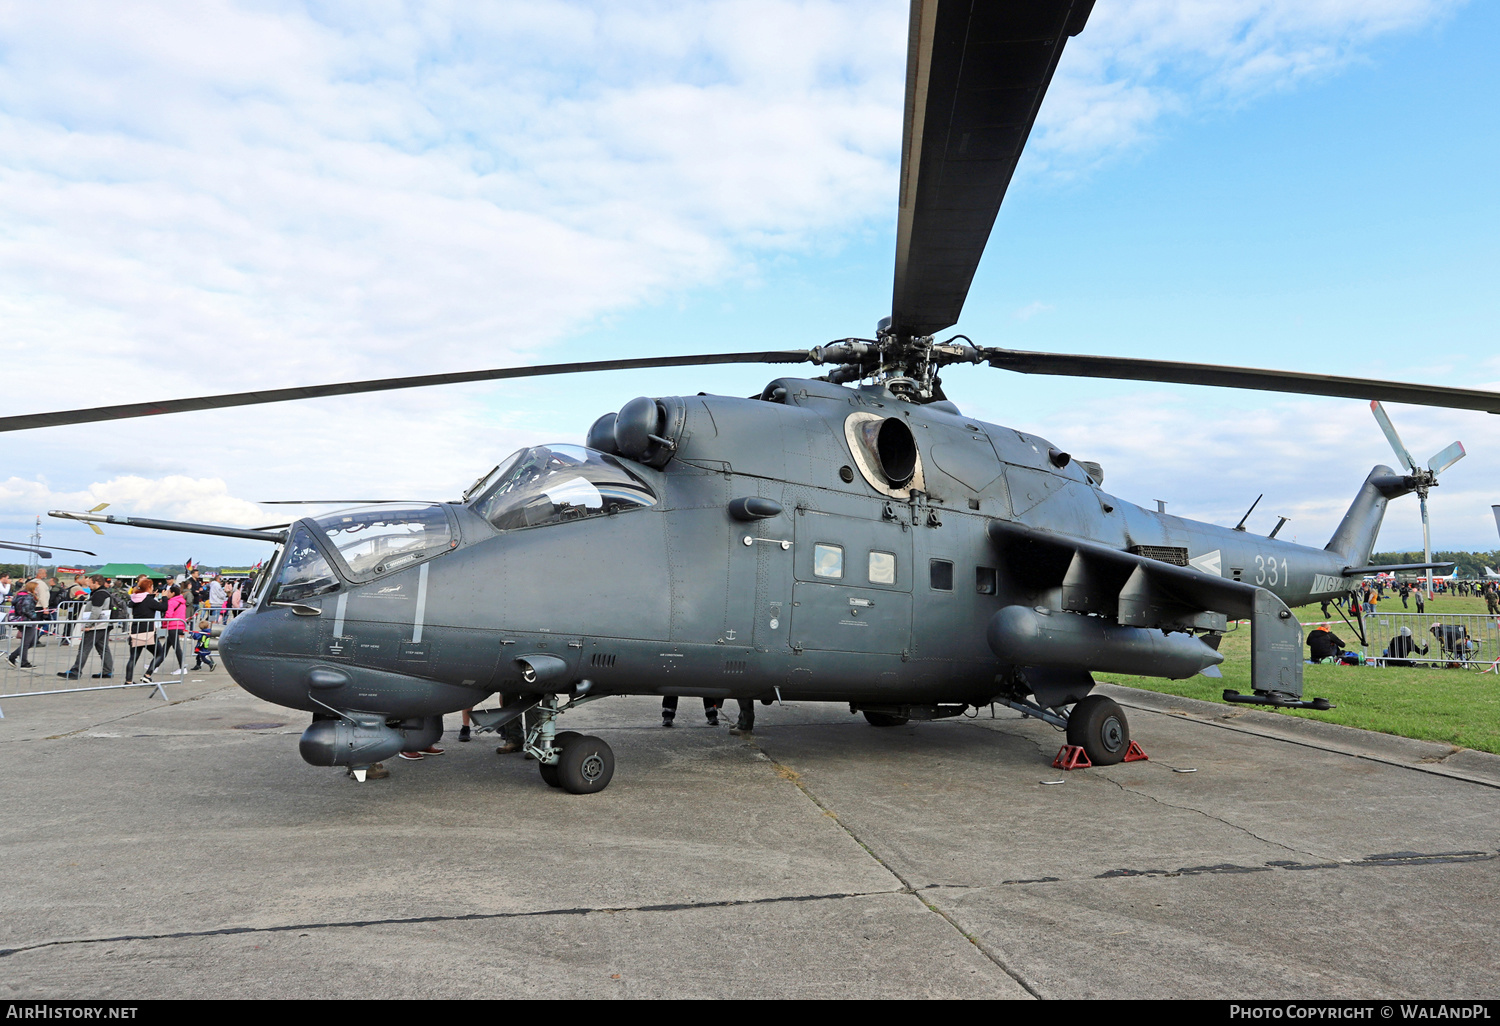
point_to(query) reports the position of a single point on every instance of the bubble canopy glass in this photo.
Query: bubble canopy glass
(382, 539)
(551, 484)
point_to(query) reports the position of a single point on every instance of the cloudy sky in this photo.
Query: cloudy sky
(216, 197)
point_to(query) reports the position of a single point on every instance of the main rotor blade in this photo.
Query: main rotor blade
(25, 421)
(976, 72)
(1402, 453)
(28, 547)
(1445, 459)
(1127, 369)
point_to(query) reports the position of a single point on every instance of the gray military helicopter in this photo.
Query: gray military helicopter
(851, 538)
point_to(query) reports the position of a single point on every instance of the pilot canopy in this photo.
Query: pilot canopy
(549, 484)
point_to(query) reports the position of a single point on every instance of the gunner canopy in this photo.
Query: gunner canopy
(549, 484)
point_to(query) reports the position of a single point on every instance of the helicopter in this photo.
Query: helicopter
(852, 537)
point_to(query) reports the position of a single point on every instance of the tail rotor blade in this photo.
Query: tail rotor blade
(1445, 459)
(1391, 436)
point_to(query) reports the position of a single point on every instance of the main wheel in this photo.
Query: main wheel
(586, 766)
(885, 719)
(1098, 726)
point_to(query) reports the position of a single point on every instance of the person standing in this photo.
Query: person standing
(95, 618)
(746, 723)
(5, 586)
(25, 612)
(218, 599)
(710, 710)
(1421, 597)
(145, 606)
(175, 622)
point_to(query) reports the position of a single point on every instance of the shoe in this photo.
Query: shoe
(432, 750)
(28, 666)
(70, 674)
(463, 732)
(666, 723)
(101, 676)
(66, 643)
(411, 756)
(508, 748)
(713, 722)
(739, 731)
(11, 659)
(178, 672)
(147, 679)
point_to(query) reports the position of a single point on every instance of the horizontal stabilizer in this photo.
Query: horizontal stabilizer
(1395, 568)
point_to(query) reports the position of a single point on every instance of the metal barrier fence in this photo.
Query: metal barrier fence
(57, 647)
(1468, 641)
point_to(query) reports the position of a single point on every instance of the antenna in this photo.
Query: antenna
(1241, 525)
(1280, 523)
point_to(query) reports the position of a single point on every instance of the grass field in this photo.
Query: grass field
(1456, 707)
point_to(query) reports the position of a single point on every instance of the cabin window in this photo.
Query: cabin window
(882, 568)
(828, 561)
(984, 580)
(941, 575)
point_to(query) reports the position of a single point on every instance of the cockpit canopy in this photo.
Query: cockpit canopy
(370, 542)
(549, 484)
(377, 540)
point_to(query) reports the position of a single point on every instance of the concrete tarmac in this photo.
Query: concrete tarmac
(158, 850)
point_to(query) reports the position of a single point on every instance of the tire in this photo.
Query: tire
(885, 720)
(586, 767)
(1098, 726)
(549, 774)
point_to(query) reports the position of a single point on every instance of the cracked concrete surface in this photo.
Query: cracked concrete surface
(161, 851)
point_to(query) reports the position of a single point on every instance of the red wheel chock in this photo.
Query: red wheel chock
(1071, 757)
(1134, 754)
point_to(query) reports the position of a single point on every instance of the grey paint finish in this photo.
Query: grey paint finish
(672, 597)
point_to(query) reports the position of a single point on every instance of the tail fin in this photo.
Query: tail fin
(1355, 538)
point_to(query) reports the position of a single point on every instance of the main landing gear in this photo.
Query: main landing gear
(1098, 726)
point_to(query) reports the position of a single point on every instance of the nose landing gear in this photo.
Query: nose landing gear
(574, 762)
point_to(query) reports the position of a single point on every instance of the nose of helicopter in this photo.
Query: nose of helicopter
(241, 648)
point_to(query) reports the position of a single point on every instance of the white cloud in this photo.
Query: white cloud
(226, 196)
(1141, 61)
(176, 496)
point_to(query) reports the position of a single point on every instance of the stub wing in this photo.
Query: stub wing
(1135, 591)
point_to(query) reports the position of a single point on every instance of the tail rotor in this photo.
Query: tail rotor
(1423, 479)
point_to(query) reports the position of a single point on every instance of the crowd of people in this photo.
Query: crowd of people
(157, 615)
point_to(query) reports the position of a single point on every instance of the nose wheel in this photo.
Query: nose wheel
(585, 764)
(573, 762)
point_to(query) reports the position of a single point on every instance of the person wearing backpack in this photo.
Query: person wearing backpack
(24, 614)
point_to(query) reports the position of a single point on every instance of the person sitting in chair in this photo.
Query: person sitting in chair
(1399, 651)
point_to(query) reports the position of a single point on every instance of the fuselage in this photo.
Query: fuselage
(856, 590)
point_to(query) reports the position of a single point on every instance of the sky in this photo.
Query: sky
(225, 196)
